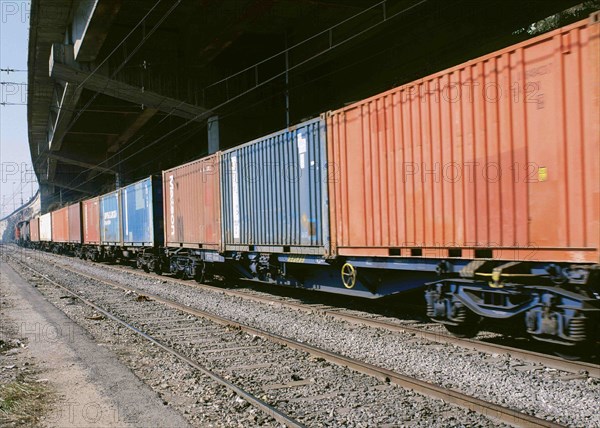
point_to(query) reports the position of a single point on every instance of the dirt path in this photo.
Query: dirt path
(89, 386)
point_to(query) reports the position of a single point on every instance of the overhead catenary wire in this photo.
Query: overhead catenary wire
(332, 46)
(196, 156)
(11, 70)
(140, 22)
(133, 52)
(18, 191)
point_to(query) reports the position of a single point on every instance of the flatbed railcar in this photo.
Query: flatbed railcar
(479, 184)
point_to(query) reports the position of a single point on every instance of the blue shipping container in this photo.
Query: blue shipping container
(110, 230)
(141, 211)
(274, 192)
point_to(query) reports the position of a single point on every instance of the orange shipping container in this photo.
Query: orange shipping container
(192, 204)
(90, 210)
(60, 225)
(34, 229)
(75, 223)
(495, 158)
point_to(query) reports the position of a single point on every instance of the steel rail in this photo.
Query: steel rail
(551, 361)
(255, 401)
(492, 410)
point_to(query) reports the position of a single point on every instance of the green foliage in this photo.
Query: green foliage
(575, 13)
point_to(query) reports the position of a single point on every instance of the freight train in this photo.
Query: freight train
(479, 185)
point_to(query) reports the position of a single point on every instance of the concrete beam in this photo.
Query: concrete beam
(65, 97)
(134, 127)
(91, 22)
(230, 33)
(66, 108)
(89, 28)
(75, 160)
(51, 169)
(69, 184)
(73, 73)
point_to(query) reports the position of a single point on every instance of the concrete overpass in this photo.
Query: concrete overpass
(119, 89)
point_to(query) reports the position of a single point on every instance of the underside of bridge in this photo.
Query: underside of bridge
(120, 89)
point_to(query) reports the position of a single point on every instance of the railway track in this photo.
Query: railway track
(385, 323)
(170, 331)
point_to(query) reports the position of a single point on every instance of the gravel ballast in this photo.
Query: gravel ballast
(545, 393)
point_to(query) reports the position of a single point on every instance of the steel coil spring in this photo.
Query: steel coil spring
(577, 328)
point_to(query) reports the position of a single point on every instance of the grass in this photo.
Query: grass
(22, 403)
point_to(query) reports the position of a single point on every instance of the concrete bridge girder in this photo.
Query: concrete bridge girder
(64, 69)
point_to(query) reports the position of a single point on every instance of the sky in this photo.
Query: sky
(15, 158)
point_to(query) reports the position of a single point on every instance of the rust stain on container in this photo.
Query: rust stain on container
(495, 158)
(192, 204)
(91, 221)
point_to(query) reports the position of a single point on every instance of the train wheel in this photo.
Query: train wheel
(568, 353)
(463, 331)
(468, 325)
(582, 351)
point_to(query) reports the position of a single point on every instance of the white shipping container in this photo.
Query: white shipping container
(46, 227)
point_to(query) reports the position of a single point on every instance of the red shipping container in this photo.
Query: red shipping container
(192, 204)
(75, 223)
(60, 225)
(90, 210)
(34, 229)
(495, 158)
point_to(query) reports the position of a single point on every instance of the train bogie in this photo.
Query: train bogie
(557, 305)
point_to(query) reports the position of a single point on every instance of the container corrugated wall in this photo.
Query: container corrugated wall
(110, 219)
(75, 236)
(274, 192)
(90, 210)
(46, 227)
(34, 229)
(60, 225)
(498, 157)
(192, 205)
(141, 204)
